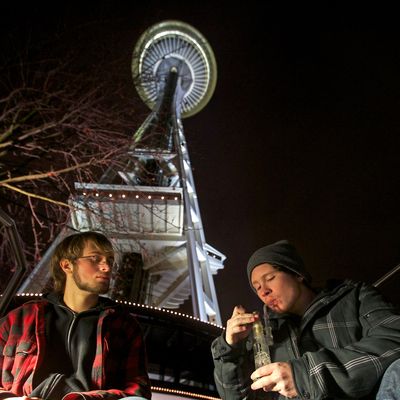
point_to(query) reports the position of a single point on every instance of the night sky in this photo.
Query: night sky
(300, 140)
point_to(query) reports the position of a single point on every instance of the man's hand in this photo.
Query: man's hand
(275, 377)
(239, 325)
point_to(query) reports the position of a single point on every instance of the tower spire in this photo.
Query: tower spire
(146, 202)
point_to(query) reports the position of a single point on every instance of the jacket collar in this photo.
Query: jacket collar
(57, 300)
(326, 296)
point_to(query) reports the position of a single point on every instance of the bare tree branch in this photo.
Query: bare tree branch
(36, 196)
(57, 127)
(32, 177)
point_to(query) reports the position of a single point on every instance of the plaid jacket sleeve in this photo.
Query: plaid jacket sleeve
(4, 332)
(361, 336)
(232, 369)
(18, 350)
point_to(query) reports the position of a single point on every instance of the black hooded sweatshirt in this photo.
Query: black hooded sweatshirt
(70, 349)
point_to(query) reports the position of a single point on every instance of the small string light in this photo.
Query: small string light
(124, 196)
(183, 393)
(166, 310)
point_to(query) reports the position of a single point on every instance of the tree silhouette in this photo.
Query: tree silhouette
(58, 126)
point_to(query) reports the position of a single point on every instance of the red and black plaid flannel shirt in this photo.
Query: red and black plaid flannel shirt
(119, 368)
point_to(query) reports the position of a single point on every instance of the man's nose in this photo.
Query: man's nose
(265, 290)
(105, 265)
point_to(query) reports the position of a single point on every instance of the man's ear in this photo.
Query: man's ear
(66, 265)
(300, 278)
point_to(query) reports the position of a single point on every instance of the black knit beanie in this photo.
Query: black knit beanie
(281, 254)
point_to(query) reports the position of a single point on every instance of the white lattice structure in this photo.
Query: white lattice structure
(158, 221)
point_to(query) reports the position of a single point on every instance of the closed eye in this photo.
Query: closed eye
(98, 259)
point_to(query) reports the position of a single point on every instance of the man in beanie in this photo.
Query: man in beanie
(332, 344)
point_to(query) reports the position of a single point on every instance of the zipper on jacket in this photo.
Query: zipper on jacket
(71, 325)
(69, 330)
(50, 386)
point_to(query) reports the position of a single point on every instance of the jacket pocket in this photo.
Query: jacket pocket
(381, 315)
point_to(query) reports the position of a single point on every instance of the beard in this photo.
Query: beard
(99, 287)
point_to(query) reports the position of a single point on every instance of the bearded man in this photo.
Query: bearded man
(73, 343)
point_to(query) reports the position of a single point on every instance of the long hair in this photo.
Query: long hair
(71, 248)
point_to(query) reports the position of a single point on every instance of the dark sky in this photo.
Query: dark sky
(301, 137)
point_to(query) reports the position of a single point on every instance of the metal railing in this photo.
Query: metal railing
(20, 262)
(387, 276)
